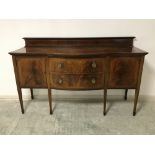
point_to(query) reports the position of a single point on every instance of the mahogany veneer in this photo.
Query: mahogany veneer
(79, 64)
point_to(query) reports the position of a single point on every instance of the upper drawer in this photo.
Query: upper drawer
(77, 66)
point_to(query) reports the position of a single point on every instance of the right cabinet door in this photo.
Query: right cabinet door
(123, 72)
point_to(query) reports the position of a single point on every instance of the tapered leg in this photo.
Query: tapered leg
(138, 86)
(20, 99)
(50, 100)
(106, 84)
(135, 101)
(126, 93)
(105, 99)
(18, 84)
(31, 90)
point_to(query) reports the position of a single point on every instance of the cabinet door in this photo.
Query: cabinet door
(123, 72)
(31, 71)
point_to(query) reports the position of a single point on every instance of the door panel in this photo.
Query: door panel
(31, 72)
(123, 72)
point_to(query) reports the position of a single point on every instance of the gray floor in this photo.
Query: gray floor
(76, 117)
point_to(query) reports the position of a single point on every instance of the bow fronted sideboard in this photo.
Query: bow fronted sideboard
(79, 64)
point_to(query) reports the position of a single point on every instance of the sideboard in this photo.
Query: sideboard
(79, 64)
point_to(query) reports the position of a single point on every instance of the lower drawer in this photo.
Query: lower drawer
(72, 81)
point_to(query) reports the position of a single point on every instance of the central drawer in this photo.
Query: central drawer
(76, 66)
(77, 81)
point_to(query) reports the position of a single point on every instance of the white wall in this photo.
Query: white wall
(12, 32)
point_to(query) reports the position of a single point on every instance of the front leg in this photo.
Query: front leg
(105, 99)
(19, 89)
(135, 101)
(20, 99)
(50, 100)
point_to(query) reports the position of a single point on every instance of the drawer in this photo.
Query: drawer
(76, 66)
(72, 81)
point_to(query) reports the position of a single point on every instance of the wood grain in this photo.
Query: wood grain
(77, 66)
(72, 81)
(31, 72)
(123, 72)
(80, 42)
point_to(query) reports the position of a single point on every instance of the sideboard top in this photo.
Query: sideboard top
(59, 38)
(96, 46)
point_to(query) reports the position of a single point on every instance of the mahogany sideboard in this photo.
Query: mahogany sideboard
(79, 64)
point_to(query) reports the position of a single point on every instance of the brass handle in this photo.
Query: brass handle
(60, 81)
(93, 65)
(93, 81)
(60, 65)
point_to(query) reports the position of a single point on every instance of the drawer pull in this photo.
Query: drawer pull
(93, 81)
(93, 65)
(60, 65)
(60, 81)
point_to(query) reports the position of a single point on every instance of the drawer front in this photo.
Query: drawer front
(123, 72)
(76, 66)
(72, 81)
(31, 71)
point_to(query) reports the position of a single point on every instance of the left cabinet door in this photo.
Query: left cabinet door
(31, 71)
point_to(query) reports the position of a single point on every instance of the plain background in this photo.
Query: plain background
(12, 32)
